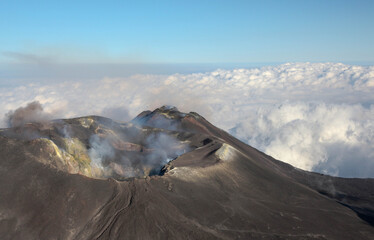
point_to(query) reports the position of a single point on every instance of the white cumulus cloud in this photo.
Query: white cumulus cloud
(316, 116)
(331, 138)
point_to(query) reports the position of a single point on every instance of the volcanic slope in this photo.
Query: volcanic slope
(165, 175)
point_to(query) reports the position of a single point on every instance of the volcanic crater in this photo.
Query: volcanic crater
(99, 147)
(165, 175)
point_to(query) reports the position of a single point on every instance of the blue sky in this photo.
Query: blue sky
(186, 31)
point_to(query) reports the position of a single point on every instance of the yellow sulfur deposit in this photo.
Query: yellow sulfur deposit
(78, 152)
(56, 157)
(86, 122)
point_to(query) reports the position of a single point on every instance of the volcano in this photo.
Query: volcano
(165, 175)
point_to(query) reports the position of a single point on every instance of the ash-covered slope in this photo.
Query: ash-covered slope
(165, 175)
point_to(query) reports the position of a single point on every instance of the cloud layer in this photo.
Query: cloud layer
(330, 138)
(316, 116)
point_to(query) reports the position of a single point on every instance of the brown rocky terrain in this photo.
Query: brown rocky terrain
(165, 175)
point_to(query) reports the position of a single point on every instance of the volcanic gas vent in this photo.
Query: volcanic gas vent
(114, 156)
(126, 150)
(98, 147)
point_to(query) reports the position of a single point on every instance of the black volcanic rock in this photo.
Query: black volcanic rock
(168, 175)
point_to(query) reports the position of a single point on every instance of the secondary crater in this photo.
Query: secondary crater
(99, 147)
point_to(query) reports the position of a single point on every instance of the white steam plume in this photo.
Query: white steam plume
(158, 150)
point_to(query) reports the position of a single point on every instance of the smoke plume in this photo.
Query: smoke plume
(33, 112)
